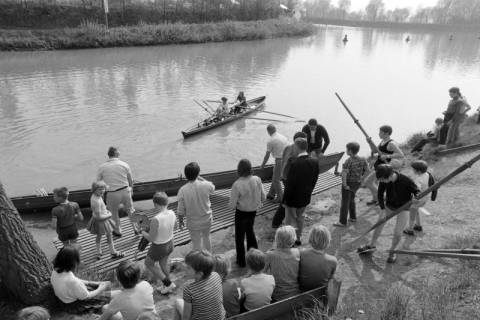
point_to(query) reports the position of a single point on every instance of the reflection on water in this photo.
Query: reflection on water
(61, 110)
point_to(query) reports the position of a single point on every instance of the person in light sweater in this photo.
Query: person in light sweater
(246, 198)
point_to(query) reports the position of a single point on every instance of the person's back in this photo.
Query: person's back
(114, 172)
(132, 302)
(284, 265)
(194, 199)
(206, 297)
(134, 299)
(316, 268)
(301, 180)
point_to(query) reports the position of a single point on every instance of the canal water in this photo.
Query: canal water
(61, 110)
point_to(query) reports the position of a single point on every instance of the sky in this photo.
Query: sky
(392, 4)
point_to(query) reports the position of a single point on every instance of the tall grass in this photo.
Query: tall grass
(90, 34)
(396, 303)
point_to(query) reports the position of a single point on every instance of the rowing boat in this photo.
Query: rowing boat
(253, 105)
(145, 190)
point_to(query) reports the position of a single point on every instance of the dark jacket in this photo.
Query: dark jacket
(321, 138)
(301, 180)
(431, 182)
(398, 192)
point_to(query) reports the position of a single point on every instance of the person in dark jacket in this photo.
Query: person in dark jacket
(317, 138)
(399, 190)
(301, 180)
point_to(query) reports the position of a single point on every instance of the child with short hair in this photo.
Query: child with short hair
(258, 286)
(230, 287)
(101, 223)
(33, 313)
(135, 298)
(354, 170)
(64, 216)
(202, 298)
(423, 179)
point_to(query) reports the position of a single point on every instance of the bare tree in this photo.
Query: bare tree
(374, 9)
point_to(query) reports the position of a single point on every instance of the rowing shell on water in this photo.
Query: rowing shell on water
(253, 105)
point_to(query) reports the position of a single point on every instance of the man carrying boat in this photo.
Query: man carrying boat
(118, 177)
(317, 137)
(275, 146)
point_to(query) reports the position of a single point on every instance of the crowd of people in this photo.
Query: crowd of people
(280, 273)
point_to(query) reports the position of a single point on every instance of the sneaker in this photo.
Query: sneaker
(339, 224)
(372, 203)
(365, 249)
(392, 258)
(169, 289)
(409, 232)
(298, 243)
(270, 197)
(352, 220)
(417, 228)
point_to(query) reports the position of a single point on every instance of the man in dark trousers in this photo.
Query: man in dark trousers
(399, 189)
(317, 138)
(301, 179)
(287, 157)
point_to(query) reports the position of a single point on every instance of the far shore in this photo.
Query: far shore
(396, 25)
(94, 35)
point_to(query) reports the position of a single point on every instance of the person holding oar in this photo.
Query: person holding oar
(399, 190)
(223, 109)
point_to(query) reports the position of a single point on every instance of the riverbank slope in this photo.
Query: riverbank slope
(93, 35)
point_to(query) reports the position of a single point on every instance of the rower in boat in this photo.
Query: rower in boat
(222, 110)
(241, 103)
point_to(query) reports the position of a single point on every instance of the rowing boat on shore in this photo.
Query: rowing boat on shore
(145, 190)
(253, 105)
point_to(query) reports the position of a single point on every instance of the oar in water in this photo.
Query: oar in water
(279, 114)
(210, 113)
(265, 119)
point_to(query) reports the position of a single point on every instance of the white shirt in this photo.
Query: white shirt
(114, 172)
(194, 203)
(247, 194)
(132, 302)
(67, 287)
(421, 181)
(276, 144)
(164, 223)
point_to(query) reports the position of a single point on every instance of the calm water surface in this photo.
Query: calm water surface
(61, 110)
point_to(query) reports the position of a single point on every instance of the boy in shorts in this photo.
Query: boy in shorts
(64, 217)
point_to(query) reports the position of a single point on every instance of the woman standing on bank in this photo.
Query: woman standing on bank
(246, 198)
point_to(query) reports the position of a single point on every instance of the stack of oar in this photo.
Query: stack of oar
(468, 254)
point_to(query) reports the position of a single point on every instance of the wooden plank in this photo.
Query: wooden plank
(439, 254)
(284, 309)
(469, 147)
(223, 217)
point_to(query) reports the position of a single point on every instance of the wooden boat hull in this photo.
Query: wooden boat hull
(145, 190)
(255, 105)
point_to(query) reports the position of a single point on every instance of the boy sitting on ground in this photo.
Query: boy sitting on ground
(135, 298)
(231, 287)
(202, 298)
(257, 287)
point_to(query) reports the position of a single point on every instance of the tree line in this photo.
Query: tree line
(70, 13)
(448, 12)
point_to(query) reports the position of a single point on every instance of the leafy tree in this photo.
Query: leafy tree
(374, 9)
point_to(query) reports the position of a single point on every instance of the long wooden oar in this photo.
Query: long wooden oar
(217, 101)
(254, 118)
(438, 254)
(210, 113)
(213, 110)
(423, 194)
(464, 251)
(279, 114)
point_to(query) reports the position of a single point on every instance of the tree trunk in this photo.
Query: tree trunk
(24, 268)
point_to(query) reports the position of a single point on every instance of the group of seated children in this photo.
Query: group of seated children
(281, 273)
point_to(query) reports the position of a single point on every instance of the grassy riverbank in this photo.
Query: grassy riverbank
(93, 35)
